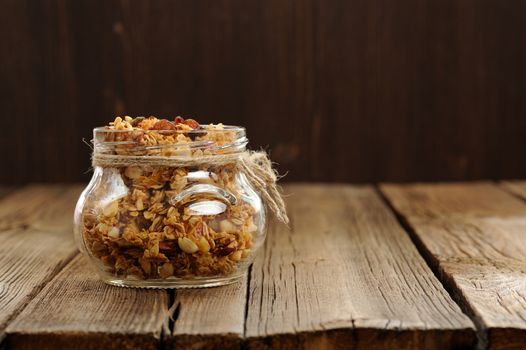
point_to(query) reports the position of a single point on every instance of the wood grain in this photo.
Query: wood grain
(4, 190)
(211, 318)
(36, 241)
(377, 85)
(347, 276)
(516, 187)
(473, 234)
(77, 308)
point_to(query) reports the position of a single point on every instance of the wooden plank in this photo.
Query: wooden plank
(347, 276)
(4, 190)
(474, 235)
(211, 318)
(36, 241)
(77, 308)
(517, 187)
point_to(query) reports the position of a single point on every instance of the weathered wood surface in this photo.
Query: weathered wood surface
(474, 235)
(210, 318)
(4, 190)
(347, 276)
(35, 243)
(518, 188)
(76, 308)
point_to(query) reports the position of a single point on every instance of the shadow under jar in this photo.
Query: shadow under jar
(162, 226)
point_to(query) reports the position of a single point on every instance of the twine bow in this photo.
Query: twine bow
(256, 166)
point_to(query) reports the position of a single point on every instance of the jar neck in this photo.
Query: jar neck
(227, 140)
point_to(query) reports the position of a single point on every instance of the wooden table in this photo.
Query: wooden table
(424, 266)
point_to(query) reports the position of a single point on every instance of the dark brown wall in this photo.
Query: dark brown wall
(337, 90)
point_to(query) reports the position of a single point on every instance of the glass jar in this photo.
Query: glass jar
(160, 226)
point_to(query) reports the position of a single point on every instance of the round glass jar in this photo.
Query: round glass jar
(161, 226)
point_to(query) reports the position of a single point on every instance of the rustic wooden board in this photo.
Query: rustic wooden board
(77, 308)
(347, 276)
(210, 318)
(4, 190)
(474, 235)
(518, 188)
(36, 241)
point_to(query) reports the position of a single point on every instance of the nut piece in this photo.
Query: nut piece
(179, 120)
(114, 233)
(166, 270)
(203, 244)
(139, 204)
(111, 209)
(145, 264)
(227, 226)
(187, 245)
(133, 172)
(163, 124)
(191, 123)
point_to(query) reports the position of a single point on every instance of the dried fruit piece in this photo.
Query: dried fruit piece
(226, 250)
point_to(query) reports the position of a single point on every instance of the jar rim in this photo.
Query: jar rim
(225, 128)
(109, 141)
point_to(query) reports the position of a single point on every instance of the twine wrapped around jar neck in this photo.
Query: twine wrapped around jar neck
(256, 166)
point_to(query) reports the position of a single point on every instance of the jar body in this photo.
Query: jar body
(155, 226)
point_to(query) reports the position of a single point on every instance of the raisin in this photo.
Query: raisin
(224, 250)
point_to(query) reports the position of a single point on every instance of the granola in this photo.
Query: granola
(170, 222)
(159, 137)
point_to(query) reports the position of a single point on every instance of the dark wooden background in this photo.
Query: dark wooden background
(336, 90)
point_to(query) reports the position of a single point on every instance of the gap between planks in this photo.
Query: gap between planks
(447, 281)
(347, 275)
(241, 315)
(471, 233)
(33, 214)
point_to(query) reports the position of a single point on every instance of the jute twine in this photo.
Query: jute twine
(256, 166)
